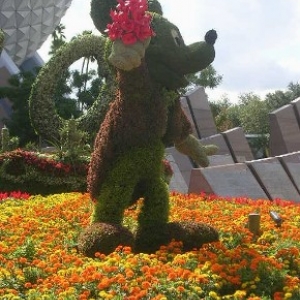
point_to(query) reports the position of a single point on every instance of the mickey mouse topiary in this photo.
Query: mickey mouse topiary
(144, 115)
(144, 59)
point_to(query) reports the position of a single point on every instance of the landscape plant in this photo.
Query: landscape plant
(40, 173)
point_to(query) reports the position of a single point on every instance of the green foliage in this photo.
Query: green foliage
(58, 38)
(65, 104)
(206, 78)
(86, 86)
(27, 251)
(225, 114)
(72, 142)
(253, 114)
(32, 274)
(71, 80)
(18, 93)
(45, 119)
(20, 87)
(271, 278)
(279, 98)
(259, 144)
(164, 57)
(150, 238)
(143, 182)
(1, 40)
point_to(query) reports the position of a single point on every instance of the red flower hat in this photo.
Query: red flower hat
(131, 22)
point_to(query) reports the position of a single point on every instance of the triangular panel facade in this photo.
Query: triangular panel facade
(22, 22)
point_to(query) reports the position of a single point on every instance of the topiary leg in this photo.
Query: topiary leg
(111, 211)
(106, 231)
(138, 165)
(153, 218)
(156, 204)
(115, 194)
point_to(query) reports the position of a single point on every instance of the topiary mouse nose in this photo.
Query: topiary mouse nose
(211, 36)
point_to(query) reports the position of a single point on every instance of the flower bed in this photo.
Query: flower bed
(38, 257)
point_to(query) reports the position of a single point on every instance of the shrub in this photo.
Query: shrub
(38, 173)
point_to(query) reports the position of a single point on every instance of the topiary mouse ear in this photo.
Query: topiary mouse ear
(100, 13)
(154, 6)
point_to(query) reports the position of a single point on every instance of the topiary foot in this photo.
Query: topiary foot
(192, 234)
(104, 238)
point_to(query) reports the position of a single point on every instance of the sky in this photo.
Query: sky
(258, 45)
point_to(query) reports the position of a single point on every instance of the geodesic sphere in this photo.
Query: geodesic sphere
(28, 23)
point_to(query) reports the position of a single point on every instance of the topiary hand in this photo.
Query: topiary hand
(127, 57)
(192, 147)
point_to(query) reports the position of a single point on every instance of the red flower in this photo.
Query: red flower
(67, 168)
(58, 165)
(130, 22)
(129, 38)
(14, 194)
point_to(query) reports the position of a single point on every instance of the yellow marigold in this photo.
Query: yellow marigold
(239, 294)
(214, 295)
(287, 296)
(105, 295)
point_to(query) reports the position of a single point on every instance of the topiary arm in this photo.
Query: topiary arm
(193, 148)
(178, 133)
(178, 127)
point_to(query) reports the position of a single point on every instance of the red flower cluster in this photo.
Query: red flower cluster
(131, 23)
(43, 163)
(15, 195)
